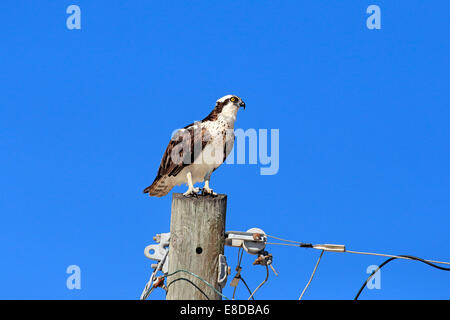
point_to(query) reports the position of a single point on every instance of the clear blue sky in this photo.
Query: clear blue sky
(85, 116)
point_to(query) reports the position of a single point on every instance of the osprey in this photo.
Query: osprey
(198, 149)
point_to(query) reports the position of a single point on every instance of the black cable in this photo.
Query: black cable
(186, 279)
(245, 283)
(393, 258)
(238, 276)
(237, 268)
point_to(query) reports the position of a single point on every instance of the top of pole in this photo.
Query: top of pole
(180, 196)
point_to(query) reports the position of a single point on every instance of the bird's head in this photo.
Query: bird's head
(228, 107)
(231, 101)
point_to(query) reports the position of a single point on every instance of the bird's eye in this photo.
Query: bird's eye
(233, 99)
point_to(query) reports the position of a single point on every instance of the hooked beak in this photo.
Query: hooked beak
(242, 104)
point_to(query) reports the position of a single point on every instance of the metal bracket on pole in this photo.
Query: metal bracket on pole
(159, 252)
(224, 271)
(253, 240)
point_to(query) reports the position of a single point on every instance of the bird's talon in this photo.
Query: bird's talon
(192, 192)
(208, 192)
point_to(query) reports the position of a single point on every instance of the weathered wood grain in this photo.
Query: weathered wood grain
(196, 240)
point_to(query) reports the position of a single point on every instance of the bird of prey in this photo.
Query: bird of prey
(198, 149)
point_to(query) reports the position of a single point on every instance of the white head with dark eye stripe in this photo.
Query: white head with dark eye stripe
(228, 106)
(226, 109)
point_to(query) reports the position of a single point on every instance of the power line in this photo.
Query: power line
(393, 258)
(245, 283)
(187, 280)
(238, 269)
(341, 248)
(261, 284)
(282, 239)
(201, 279)
(312, 275)
(149, 289)
(238, 274)
(396, 256)
(150, 286)
(332, 247)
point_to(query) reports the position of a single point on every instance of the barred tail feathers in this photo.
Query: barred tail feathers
(159, 188)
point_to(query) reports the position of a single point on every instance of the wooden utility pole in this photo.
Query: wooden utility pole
(197, 231)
